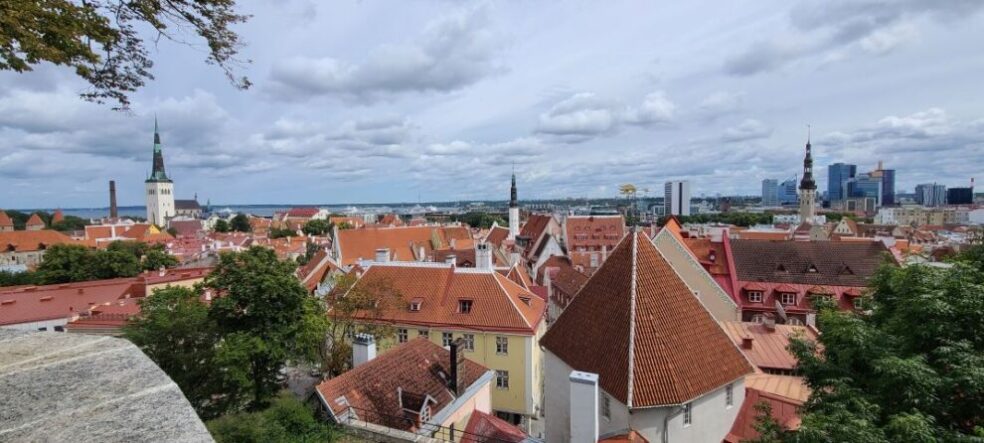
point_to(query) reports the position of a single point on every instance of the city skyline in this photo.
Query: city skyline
(346, 108)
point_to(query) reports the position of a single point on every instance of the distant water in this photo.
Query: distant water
(258, 210)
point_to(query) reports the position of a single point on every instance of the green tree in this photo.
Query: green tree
(175, 331)
(157, 258)
(282, 233)
(64, 264)
(111, 264)
(240, 223)
(102, 42)
(150, 257)
(910, 370)
(8, 278)
(317, 227)
(70, 223)
(260, 316)
(221, 226)
(286, 420)
(768, 428)
(354, 306)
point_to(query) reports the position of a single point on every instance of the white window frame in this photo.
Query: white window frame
(782, 298)
(501, 345)
(858, 303)
(402, 335)
(794, 321)
(606, 407)
(729, 396)
(501, 379)
(423, 333)
(688, 414)
(468, 342)
(758, 318)
(755, 296)
(463, 304)
(447, 338)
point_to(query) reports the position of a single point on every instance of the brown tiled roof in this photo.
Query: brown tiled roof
(637, 325)
(768, 348)
(783, 410)
(401, 241)
(35, 220)
(57, 216)
(630, 437)
(187, 228)
(486, 428)
(568, 280)
(37, 303)
(837, 263)
(371, 389)
(594, 231)
(497, 235)
(5, 221)
(497, 302)
(302, 212)
(316, 270)
(21, 241)
(788, 386)
(534, 228)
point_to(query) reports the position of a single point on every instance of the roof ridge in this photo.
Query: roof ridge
(632, 315)
(496, 276)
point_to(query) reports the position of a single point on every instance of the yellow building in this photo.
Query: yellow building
(498, 317)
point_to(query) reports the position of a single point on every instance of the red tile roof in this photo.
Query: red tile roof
(26, 304)
(497, 235)
(768, 348)
(402, 242)
(594, 231)
(22, 241)
(783, 410)
(35, 221)
(57, 216)
(302, 212)
(175, 275)
(498, 304)
(638, 325)
(315, 271)
(5, 221)
(630, 437)
(371, 389)
(485, 428)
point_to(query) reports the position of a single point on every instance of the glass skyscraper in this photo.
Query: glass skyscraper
(770, 192)
(838, 174)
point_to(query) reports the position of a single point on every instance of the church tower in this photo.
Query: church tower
(513, 210)
(160, 189)
(807, 188)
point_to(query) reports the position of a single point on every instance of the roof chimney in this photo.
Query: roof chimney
(363, 349)
(746, 342)
(457, 364)
(112, 199)
(769, 323)
(451, 259)
(584, 406)
(483, 256)
(382, 255)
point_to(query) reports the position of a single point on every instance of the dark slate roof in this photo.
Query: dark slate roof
(187, 205)
(75, 387)
(836, 263)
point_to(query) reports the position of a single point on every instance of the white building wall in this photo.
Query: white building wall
(160, 202)
(557, 408)
(49, 325)
(712, 418)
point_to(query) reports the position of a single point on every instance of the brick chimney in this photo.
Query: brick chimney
(457, 383)
(112, 199)
(746, 342)
(584, 406)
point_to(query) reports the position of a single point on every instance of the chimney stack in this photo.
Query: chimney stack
(457, 364)
(584, 407)
(112, 199)
(451, 259)
(382, 255)
(363, 349)
(746, 342)
(770, 323)
(483, 256)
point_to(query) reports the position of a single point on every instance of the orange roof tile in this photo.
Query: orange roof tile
(35, 220)
(783, 410)
(37, 303)
(497, 302)
(497, 235)
(58, 216)
(402, 242)
(630, 437)
(372, 389)
(768, 348)
(5, 221)
(637, 324)
(21, 241)
(486, 428)
(788, 386)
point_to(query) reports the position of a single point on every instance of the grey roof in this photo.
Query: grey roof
(187, 205)
(74, 387)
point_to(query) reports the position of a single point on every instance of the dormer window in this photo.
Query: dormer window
(787, 298)
(755, 296)
(415, 305)
(812, 269)
(525, 300)
(464, 306)
(781, 268)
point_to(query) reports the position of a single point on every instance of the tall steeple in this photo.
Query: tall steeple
(808, 187)
(513, 209)
(158, 174)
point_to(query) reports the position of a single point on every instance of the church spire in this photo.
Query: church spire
(158, 174)
(807, 182)
(513, 202)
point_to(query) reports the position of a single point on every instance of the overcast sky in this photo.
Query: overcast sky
(371, 101)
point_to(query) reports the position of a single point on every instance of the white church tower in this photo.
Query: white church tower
(808, 189)
(513, 210)
(160, 189)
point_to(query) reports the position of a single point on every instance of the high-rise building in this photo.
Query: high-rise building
(838, 175)
(770, 192)
(787, 192)
(887, 177)
(160, 188)
(931, 194)
(866, 185)
(808, 188)
(960, 196)
(676, 197)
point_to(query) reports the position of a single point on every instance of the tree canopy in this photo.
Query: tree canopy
(910, 369)
(75, 263)
(286, 420)
(317, 227)
(221, 226)
(240, 223)
(104, 41)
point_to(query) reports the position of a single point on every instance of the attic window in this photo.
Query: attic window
(464, 306)
(525, 300)
(415, 306)
(812, 269)
(845, 270)
(781, 268)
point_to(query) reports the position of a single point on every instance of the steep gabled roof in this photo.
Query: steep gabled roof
(35, 220)
(790, 261)
(497, 235)
(486, 428)
(637, 325)
(24, 241)
(403, 242)
(5, 221)
(372, 389)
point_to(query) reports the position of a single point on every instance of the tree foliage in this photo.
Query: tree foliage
(482, 220)
(317, 227)
(282, 233)
(240, 223)
(103, 41)
(768, 428)
(910, 370)
(355, 307)
(221, 226)
(75, 263)
(286, 420)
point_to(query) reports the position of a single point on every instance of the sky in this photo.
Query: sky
(382, 101)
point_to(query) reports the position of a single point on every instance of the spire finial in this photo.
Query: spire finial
(808, 128)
